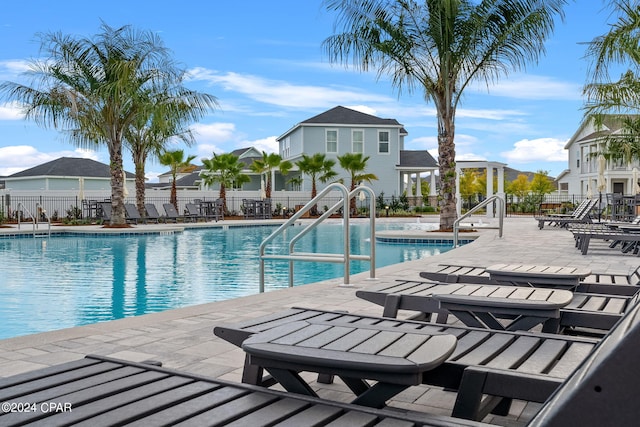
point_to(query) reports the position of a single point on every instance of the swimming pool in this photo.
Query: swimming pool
(67, 281)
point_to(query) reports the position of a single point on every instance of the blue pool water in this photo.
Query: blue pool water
(67, 281)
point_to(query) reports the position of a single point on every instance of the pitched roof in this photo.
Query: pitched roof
(417, 159)
(342, 115)
(69, 166)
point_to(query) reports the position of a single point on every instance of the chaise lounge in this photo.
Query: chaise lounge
(528, 366)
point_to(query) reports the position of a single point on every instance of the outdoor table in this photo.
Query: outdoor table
(538, 275)
(396, 359)
(509, 311)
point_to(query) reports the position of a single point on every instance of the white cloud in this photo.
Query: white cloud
(214, 132)
(11, 111)
(268, 144)
(282, 93)
(540, 149)
(16, 158)
(530, 86)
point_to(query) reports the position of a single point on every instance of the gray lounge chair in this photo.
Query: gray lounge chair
(171, 214)
(152, 213)
(580, 215)
(592, 314)
(105, 211)
(133, 215)
(490, 368)
(604, 283)
(193, 212)
(101, 390)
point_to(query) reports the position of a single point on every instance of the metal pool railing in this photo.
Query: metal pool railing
(343, 258)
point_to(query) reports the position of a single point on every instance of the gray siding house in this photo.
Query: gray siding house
(65, 173)
(342, 130)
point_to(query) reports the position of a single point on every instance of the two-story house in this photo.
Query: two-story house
(342, 130)
(583, 171)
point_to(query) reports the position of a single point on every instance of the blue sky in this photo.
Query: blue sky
(264, 63)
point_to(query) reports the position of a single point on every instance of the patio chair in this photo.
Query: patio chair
(152, 213)
(490, 368)
(132, 213)
(193, 212)
(592, 314)
(596, 282)
(580, 215)
(100, 390)
(171, 214)
(105, 211)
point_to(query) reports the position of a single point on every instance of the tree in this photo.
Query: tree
(541, 184)
(226, 170)
(441, 47)
(519, 187)
(164, 116)
(91, 88)
(469, 185)
(319, 168)
(267, 164)
(177, 163)
(355, 164)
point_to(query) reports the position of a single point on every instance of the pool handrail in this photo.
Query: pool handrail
(34, 219)
(335, 258)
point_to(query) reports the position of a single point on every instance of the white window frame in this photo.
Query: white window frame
(388, 142)
(353, 140)
(326, 141)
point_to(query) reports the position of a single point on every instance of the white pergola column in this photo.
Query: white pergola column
(407, 184)
(490, 190)
(458, 199)
(418, 185)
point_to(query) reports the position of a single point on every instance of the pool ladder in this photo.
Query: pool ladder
(34, 219)
(343, 258)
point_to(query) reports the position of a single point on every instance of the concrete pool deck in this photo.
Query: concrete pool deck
(183, 339)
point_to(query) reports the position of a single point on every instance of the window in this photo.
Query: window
(383, 141)
(357, 141)
(332, 140)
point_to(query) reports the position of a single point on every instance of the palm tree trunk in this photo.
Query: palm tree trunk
(140, 190)
(117, 183)
(223, 196)
(447, 161)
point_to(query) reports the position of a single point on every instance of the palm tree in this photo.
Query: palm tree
(226, 170)
(177, 163)
(166, 116)
(355, 164)
(90, 88)
(619, 98)
(440, 47)
(267, 164)
(319, 168)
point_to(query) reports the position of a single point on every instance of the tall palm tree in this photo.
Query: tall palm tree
(177, 163)
(355, 164)
(621, 98)
(319, 168)
(440, 47)
(166, 116)
(226, 170)
(90, 89)
(267, 164)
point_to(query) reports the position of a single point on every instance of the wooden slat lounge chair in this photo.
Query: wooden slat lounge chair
(132, 213)
(100, 390)
(152, 214)
(552, 356)
(580, 215)
(629, 239)
(586, 313)
(596, 282)
(498, 365)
